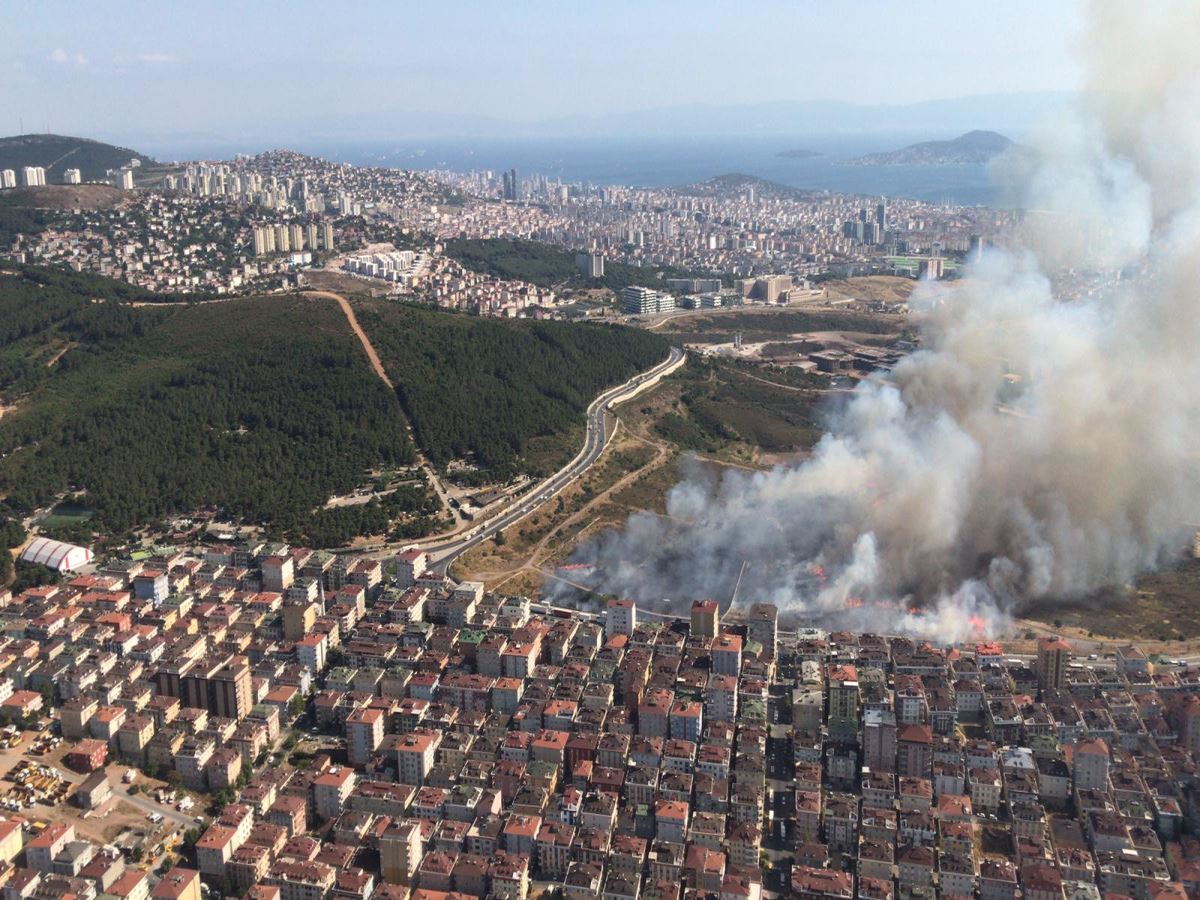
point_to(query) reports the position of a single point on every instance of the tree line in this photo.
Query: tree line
(483, 389)
(548, 266)
(258, 409)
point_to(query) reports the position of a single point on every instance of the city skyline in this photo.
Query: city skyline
(452, 70)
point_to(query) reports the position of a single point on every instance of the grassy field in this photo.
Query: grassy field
(887, 288)
(62, 197)
(65, 515)
(1161, 606)
(773, 325)
(721, 409)
(341, 283)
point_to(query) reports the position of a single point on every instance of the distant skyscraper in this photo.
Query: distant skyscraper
(72, 176)
(327, 235)
(33, 176)
(511, 185)
(590, 264)
(8, 179)
(881, 215)
(260, 240)
(125, 180)
(296, 235)
(311, 235)
(283, 241)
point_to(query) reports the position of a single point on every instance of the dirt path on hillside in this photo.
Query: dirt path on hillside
(60, 354)
(348, 310)
(377, 365)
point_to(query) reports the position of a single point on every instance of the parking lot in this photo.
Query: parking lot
(29, 783)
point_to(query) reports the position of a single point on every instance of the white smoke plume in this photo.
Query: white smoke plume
(1036, 448)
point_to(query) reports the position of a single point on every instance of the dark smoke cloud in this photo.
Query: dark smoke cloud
(939, 490)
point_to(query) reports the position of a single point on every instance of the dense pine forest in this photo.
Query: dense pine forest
(486, 389)
(258, 408)
(262, 408)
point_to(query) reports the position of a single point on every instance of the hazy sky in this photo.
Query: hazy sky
(157, 70)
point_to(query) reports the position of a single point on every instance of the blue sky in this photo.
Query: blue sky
(145, 70)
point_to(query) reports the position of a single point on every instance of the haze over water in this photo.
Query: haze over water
(661, 162)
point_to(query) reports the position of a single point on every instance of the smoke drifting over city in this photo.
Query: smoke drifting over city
(1034, 449)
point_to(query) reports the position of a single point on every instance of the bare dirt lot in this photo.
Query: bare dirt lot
(339, 282)
(886, 288)
(63, 196)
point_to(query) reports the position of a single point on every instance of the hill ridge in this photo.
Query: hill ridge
(59, 152)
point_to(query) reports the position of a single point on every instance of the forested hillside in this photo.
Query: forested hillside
(487, 388)
(261, 408)
(57, 153)
(43, 309)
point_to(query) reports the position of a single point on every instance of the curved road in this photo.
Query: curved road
(443, 553)
(443, 550)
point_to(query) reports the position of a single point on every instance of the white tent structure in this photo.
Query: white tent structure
(56, 555)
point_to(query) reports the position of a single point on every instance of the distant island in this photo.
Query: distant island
(798, 153)
(738, 182)
(972, 148)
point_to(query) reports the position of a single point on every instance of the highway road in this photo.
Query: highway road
(443, 553)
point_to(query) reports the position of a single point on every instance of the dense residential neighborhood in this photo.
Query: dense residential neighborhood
(590, 467)
(364, 728)
(267, 222)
